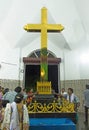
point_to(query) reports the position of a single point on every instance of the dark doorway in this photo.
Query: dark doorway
(32, 75)
(53, 76)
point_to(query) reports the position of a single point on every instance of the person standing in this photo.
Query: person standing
(72, 98)
(1, 114)
(86, 103)
(1, 94)
(16, 115)
(10, 95)
(63, 93)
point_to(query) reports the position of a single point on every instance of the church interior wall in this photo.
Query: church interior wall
(73, 70)
(71, 65)
(9, 83)
(9, 64)
(74, 66)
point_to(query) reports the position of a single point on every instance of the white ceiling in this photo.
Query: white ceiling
(72, 14)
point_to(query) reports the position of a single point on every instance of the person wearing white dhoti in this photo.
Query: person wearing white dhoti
(16, 115)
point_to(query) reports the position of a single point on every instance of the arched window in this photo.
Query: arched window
(36, 54)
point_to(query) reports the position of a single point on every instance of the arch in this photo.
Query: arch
(36, 54)
(32, 69)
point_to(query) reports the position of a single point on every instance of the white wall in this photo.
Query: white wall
(71, 65)
(74, 65)
(14, 15)
(10, 64)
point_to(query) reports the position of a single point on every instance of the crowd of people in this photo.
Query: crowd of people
(13, 106)
(13, 111)
(71, 97)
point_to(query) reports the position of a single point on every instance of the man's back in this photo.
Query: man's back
(10, 96)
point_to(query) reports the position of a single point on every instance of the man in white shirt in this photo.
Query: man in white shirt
(71, 97)
(86, 103)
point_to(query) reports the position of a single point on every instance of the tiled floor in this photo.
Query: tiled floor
(80, 125)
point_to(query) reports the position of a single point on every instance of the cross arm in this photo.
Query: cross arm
(54, 27)
(32, 27)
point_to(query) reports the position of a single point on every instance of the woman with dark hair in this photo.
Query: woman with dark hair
(16, 115)
(19, 98)
(18, 89)
(6, 90)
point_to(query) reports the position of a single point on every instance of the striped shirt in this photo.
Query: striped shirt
(10, 96)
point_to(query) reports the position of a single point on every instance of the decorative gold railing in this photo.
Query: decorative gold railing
(63, 106)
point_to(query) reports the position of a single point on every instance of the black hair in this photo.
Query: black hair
(70, 89)
(18, 89)
(18, 98)
(6, 90)
(87, 86)
(4, 103)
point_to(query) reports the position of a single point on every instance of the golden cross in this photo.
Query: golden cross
(44, 27)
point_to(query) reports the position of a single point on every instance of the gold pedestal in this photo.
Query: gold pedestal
(44, 87)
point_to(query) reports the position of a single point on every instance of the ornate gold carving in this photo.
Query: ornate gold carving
(44, 87)
(63, 106)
